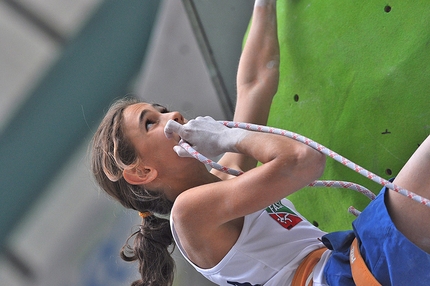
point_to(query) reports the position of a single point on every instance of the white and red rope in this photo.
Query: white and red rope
(322, 149)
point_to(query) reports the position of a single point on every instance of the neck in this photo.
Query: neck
(179, 182)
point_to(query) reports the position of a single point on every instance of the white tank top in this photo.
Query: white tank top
(269, 249)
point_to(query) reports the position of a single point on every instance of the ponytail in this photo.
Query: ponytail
(111, 153)
(151, 250)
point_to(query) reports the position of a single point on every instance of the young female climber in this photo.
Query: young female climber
(115, 156)
(242, 230)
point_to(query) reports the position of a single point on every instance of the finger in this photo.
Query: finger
(172, 127)
(205, 118)
(181, 151)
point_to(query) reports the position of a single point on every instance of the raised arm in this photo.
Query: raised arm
(210, 211)
(257, 77)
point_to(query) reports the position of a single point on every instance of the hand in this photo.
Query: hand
(206, 136)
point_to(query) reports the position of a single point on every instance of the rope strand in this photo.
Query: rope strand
(334, 184)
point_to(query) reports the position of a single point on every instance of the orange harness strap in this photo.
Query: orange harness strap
(360, 273)
(303, 275)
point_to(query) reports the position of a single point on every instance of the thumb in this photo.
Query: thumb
(172, 127)
(181, 152)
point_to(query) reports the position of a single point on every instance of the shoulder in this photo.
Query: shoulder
(200, 239)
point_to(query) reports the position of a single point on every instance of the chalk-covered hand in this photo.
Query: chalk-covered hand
(206, 136)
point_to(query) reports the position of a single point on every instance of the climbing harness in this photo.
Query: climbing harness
(316, 146)
(305, 271)
(360, 273)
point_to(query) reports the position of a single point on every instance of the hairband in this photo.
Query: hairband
(145, 214)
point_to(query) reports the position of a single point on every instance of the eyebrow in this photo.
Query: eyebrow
(159, 106)
(145, 111)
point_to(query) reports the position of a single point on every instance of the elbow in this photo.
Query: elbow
(311, 162)
(320, 164)
(269, 80)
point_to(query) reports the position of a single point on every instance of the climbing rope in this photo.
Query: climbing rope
(322, 149)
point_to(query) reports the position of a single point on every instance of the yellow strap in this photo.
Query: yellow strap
(305, 269)
(360, 273)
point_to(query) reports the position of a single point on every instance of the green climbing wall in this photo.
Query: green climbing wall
(355, 77)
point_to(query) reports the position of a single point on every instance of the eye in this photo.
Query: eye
(148, 124)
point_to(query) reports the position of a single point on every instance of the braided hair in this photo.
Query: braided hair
(112, 152)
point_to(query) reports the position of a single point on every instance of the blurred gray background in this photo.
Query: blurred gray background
(62, 62)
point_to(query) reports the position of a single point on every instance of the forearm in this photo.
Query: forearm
(258, 73)
(288, 166)
(258, 76)
(291, 158)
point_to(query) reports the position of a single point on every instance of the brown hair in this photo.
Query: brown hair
(112, 152)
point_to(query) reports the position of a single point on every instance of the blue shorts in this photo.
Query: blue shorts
(389, 255)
